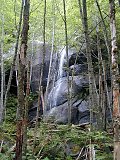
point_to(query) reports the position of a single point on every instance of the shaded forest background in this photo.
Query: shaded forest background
(91, 27)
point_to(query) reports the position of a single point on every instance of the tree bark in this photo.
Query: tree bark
(21, 122)
(93, 95)
(66, 41)
(51, 56)
(15, 56)
(41, 74)
(115, 76)
(108, 50)
(100, 81)
(2, 74)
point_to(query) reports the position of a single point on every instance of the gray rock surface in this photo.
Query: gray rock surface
(57, 102)
(78, 84)
(78, 69)
(37, 63)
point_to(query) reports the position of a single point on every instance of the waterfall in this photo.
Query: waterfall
(61, 64)
(54, 95)
(60, 74)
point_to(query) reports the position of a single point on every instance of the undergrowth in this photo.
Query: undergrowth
(62, 142)
(54, 142)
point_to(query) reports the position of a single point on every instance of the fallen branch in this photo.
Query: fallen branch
(79, 154)
(1, 146)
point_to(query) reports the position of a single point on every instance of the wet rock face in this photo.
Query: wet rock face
(57, 101)
(77, 58)
(57, 104)
(78, 84)
(78, 69)
(79, 112)
(37, 58)
(36, 76)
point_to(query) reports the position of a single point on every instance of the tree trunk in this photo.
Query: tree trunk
(108, 49)
(31, 64)
(41, 74)
(93, 95)
(115, 76)
(2, 74)
(66, 41)
(102, 69)
(51, 56)
(15, 56)
(21, 122)
(25, 125)
(100, 81)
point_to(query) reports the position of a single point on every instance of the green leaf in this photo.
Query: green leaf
(46, 158)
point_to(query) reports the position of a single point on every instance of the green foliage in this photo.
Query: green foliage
(53, 140)
(8, 128)
(58, 142)
(46, 158)
(64, 142)
(11, 108)
(32, 97)
(6, 157)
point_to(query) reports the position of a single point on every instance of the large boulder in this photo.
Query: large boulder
(58, 94)
(59, 114)
(57, 101)
(77, 58)
(37, 59)
(79, 112)
(78, 69)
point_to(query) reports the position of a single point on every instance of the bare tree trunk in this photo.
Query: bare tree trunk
(66, 40)
(90, 69)
(15, 56)
(21, 122)
(41, 74)
(2, 74)
(102, 70)
(104, 29)
(115, 77)
(42, 98)
(108, 49)
(51, 56)
(93, 95)
(25, 125)
(100, 81)
(31, 64)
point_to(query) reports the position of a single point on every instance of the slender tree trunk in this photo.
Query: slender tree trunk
(15, 56)
(115, 76)
(66, 41)
(21, 122)
(51, 56)
(41, 74)
(31, 64)
(104, 29)
(90, 69)
(100, 81)
(93, 95)
(2, 74)
(42, 98)
(102, 70)
(108, 49)
(25, 125)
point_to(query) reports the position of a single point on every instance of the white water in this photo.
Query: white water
(60, 74)
(61, 64)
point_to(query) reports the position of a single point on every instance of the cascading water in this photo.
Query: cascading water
(61, 64)
(60, 74)
(53, 97)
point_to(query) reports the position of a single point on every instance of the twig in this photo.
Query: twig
(79, 154)
(1, 146)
